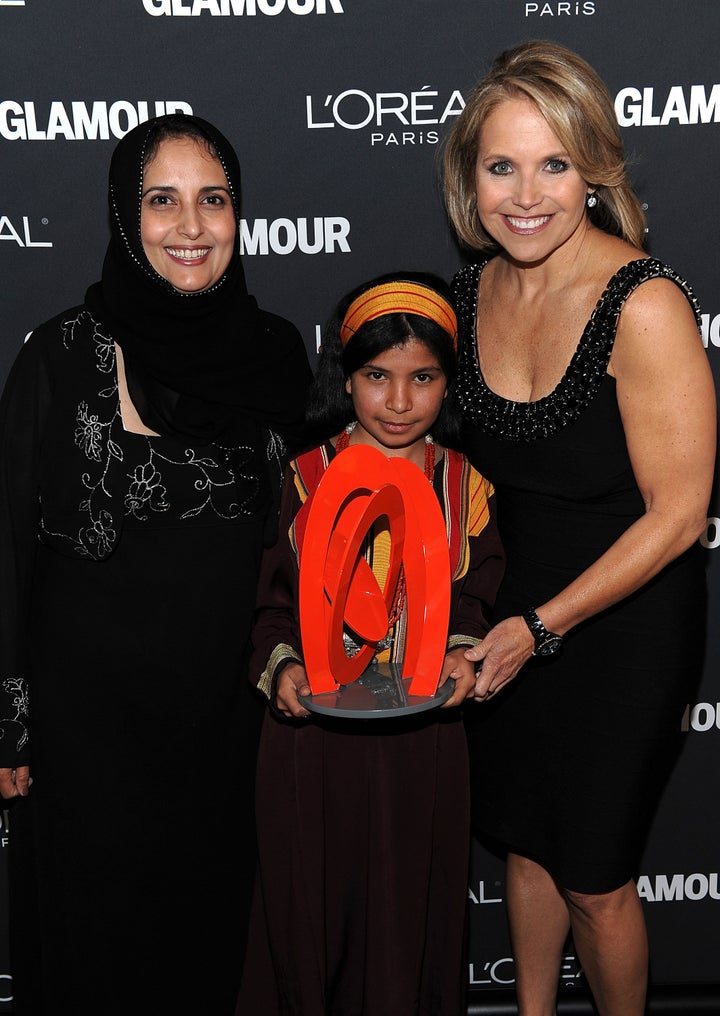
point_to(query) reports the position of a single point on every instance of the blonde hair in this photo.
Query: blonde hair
(579, 110)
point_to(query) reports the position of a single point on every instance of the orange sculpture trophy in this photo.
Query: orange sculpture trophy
(339, 595)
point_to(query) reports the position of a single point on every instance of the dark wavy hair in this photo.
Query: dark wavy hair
(330, 408)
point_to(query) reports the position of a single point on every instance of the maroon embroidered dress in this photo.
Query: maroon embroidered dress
(363, 824)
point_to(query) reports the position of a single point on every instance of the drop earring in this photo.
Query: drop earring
(591, 200)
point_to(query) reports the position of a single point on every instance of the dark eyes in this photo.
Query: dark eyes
(162, 200)
(378, 375)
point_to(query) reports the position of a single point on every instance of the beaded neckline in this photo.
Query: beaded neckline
(530, 421)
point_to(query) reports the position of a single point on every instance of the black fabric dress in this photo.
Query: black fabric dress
(128, 569)
(131, 860)
(568, 762)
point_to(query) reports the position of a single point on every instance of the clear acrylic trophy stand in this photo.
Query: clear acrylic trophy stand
(379, 691)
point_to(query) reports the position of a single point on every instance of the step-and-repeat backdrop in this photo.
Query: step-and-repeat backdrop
(338, 110)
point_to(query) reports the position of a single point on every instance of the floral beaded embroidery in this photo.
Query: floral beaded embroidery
(226, 483)
(16, 699)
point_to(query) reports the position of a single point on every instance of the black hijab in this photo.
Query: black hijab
(197, 364)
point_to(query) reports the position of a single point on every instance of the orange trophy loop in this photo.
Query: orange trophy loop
(338, 588)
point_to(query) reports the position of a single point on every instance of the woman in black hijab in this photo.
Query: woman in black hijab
(142, 438)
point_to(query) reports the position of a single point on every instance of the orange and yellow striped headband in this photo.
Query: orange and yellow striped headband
(398, 298)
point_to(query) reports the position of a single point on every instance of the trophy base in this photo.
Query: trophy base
(379, 692)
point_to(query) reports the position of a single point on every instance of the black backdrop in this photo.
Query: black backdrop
(338, 109)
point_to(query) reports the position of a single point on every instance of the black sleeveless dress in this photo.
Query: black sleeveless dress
(569, 761)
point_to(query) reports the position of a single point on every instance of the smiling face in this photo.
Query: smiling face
(397, 398)
(187, 222)
(530, 198)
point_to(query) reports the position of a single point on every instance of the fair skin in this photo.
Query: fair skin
(534, 300)
(397, 398)
(187, 227)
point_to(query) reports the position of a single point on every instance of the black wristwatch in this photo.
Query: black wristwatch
(546, 642)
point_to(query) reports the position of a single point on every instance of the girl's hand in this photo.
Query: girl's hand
(503, 651)
(462, 671)
(292, 686)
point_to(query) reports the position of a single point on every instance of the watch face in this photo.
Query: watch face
(549, 646)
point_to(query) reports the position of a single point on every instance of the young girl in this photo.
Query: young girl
(363, 824)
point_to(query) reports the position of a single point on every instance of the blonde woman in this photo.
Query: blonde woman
(588, 402)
